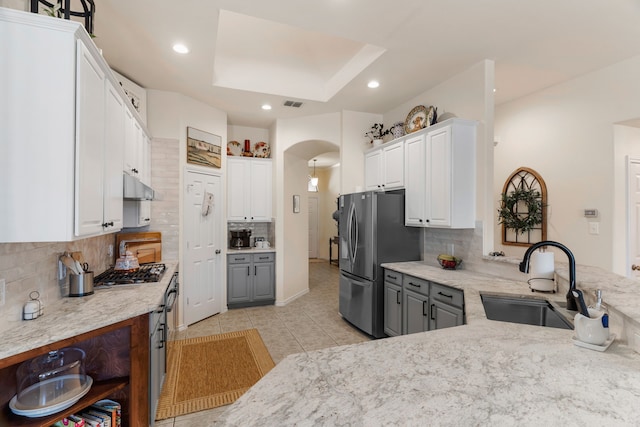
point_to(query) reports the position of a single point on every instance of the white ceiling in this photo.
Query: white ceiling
(248, 52)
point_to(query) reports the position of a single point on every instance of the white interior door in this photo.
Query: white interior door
(313, 227)
(202, 246)
(633, 171)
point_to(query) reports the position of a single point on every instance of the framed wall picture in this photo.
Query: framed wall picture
(203, 148)
(296, 203)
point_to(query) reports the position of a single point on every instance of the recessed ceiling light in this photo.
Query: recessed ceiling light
(266, 107)
(373, 84)
(180, 48)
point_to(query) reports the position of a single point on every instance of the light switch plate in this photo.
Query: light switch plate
(594, 228)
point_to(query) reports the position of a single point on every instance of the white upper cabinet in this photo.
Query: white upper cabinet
(137, 149)
(415, 177)
(249, 190)
(441, 171)
(384, 167)
(89, 144)
(115, 131)
(60, 159)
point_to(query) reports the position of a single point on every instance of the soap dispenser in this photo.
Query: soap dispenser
(599, 306)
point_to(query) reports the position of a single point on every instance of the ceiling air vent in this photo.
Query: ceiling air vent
(294, 104)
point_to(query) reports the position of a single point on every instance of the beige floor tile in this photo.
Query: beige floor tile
(309, 323)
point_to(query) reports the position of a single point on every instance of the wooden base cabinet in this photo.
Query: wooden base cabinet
(117, 359)
(251, 279)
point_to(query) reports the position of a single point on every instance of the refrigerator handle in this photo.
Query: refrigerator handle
(350, 232)
(355, 243)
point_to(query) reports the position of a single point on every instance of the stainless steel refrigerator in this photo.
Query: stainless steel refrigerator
(372, 232)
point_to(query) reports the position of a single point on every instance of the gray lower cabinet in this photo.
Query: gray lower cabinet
(447, 307)
(415, 305)
(251, 279)
(392, 303)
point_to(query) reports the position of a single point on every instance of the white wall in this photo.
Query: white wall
(169, 115)
(305, 137)
(354, 126)
(240, 133)
(467, 95)
(566, 134)
(626, 145)
(328, 191)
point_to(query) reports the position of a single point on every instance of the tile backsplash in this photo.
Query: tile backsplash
(258, 229)
(28, 267)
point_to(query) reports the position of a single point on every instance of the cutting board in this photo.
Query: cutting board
(147, 251)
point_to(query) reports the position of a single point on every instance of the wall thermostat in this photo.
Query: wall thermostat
(591, 213)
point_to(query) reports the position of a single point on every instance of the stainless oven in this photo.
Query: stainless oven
(158, 337)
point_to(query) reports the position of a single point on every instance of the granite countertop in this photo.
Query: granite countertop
(482, 373)
(69, 317)
(249, 250)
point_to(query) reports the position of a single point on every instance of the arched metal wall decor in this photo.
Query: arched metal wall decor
(88, 10)
(523, 208)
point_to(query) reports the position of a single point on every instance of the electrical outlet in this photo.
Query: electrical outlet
(2, 291)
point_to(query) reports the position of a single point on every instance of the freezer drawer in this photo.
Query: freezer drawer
(356, 302)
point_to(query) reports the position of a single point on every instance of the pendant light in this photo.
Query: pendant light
(314, 178)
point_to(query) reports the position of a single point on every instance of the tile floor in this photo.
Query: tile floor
(309, 323)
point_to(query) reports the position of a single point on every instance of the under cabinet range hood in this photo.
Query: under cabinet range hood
(134, 189)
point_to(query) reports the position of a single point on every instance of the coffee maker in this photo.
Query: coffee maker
(240, 239)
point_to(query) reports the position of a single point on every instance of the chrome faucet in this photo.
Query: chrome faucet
(524, 267)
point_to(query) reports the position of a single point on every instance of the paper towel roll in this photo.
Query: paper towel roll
(541, 271)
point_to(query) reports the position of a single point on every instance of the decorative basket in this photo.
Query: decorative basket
(449, 262)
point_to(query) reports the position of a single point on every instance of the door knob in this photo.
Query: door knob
(635, 267)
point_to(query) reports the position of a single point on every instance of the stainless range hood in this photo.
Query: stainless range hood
(134, 189)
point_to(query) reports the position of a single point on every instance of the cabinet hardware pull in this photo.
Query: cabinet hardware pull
(445, 295)
(392, 277)
(398, 297)
(238, 259)
(255, 270)
(426, 220)
(424, 304)
(217, 251)
(433, 311)
(420, 220)
(248, 271)
(264, 257)
(414, 285)
(635, 267)
(163, 339)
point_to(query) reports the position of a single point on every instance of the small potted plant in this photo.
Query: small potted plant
(376, 134)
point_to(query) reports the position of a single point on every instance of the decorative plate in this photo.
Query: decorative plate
(432, 115)
(234, 148)
(261, 149)
(416, 120)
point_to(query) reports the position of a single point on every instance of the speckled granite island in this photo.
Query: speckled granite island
(482, 373)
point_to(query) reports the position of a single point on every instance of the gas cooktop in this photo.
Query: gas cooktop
(147, 273)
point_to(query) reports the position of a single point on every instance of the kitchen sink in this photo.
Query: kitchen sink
(530, 311)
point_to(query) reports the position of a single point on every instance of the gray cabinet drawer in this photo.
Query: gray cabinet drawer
(238, 258)
(447, 295)
(416, 285)
(394, 277)
(264, 257)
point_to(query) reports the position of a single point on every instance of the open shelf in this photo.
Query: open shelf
(99, 390)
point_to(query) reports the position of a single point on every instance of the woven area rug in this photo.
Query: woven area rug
(207, 372)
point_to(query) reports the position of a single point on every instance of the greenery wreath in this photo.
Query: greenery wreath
(520, 222)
